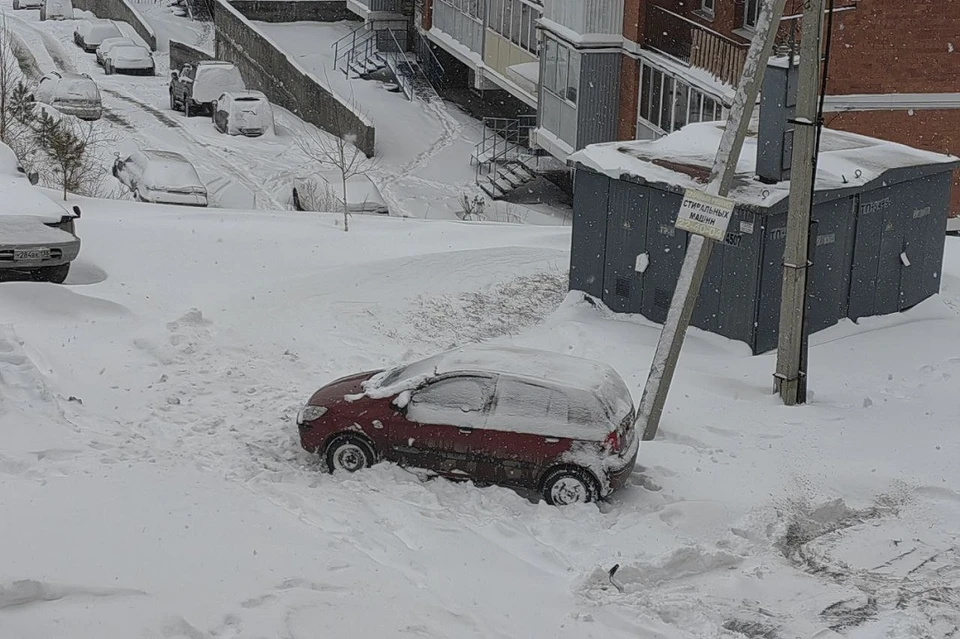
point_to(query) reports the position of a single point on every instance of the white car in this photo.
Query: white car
(163, 177)
(88, 35)
(56, 10)
(242, 113)
(27, 4)
(70, 93)
(107, 44)
(323, 191)
(37, 235)
(129, 58)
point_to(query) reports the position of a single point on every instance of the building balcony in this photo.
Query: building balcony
(586, 17)
(694, 44)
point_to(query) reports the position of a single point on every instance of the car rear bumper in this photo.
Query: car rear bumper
(617, 478)
(82, 112)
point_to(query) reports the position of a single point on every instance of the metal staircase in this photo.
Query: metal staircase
(503, 158)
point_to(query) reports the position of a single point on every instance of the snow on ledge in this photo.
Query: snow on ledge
(682, 158)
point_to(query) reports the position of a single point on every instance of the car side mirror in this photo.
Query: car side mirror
(76, 210)
(34, 178)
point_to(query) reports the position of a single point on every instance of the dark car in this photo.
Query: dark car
(194, 88)
(529, 419)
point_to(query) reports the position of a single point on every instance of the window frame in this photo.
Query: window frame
(757, 8)
(552, 84)
(708, 7)
(652, 104)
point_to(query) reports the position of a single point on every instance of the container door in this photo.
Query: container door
(666, 247)
(626, 247)
(866, 254)
(832, 259)
(589, 232)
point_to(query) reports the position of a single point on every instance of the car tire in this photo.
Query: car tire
(349, 453)
(570, 485)
(52, 274)
(173, 102)
(137, 196)
(16, 5)
(186, 107)
(108, 68)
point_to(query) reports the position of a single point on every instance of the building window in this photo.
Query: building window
(707, 6)
(515, 20)
(561, 71)
(668, 103)
(751, 13)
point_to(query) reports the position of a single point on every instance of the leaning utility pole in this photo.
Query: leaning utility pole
(698, 249)
(790, 379)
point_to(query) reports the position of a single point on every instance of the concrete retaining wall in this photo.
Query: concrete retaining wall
(266, 67)
(300, 10)
(123, 11)
(181, 54)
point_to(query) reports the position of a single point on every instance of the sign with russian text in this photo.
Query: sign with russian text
(703, 214)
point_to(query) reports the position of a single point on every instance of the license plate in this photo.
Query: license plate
(31, 254)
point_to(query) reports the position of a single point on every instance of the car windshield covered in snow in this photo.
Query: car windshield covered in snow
(214, 79)
(130, 53)
(170, 171)
(99, 31)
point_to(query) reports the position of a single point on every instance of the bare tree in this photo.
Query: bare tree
(70, 146)
(10, 75)
(337, 151)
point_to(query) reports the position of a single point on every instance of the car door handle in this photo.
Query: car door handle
(466, 431)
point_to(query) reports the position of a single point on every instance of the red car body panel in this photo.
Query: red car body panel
(483, 455)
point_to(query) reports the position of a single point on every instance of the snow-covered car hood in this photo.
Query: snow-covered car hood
(23, 199)
(250, 114)
(19, 230)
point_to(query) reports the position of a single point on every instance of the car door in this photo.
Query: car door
(446, 420)
(524, 428)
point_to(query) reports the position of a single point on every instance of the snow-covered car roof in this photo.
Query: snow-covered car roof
(103, 30)
(555, 369)
(115, 42)
(248, 94)
(129, 52)
(169, 169)
(9, 163)
(213, 80)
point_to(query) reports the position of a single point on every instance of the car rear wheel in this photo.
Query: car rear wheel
(349, 454)
(566, 486)
(173, 102)
(53, 274)
(107, 68)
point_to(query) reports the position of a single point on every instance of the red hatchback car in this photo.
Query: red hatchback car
(559, 425)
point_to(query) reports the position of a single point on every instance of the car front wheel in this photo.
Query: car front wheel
(53, 274)
(566, 486)
(349, 454)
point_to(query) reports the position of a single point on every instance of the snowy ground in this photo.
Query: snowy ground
(174, 502)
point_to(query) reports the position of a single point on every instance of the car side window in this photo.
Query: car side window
(457, 401)
(522, 406)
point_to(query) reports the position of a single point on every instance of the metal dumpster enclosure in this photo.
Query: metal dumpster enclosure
(879, 216)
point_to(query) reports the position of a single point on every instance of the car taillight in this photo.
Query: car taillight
(613, 441)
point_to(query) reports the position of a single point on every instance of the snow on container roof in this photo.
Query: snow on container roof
(684, 158)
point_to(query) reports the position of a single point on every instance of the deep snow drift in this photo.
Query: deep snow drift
(151, 482)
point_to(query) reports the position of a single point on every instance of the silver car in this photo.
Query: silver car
(38, 237)
(71, 94)
(163, 177)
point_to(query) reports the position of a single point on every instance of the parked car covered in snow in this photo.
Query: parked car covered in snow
(323, 191)
(37, 235)
(90, 33)
(242, 113)
(70, 93)
(56, 10)
(129, 58)
(163, 177)
(106, 45)
(27, 4)
(194, 88)
(529, 419)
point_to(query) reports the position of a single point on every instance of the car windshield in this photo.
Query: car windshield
(166, 173)
(77, 87)
(410, 371)
(129, 52)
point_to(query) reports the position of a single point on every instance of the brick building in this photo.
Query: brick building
(602, 70)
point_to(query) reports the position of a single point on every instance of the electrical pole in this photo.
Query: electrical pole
(698, 247)
(790, 379)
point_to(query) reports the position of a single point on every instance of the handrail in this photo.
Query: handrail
(696, 24)
(401, 58)
(435, 70)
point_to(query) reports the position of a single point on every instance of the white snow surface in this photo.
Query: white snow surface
(174, 502)
(846, 160)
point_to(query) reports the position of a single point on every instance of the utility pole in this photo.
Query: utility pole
(790, 379)
(699, 248)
